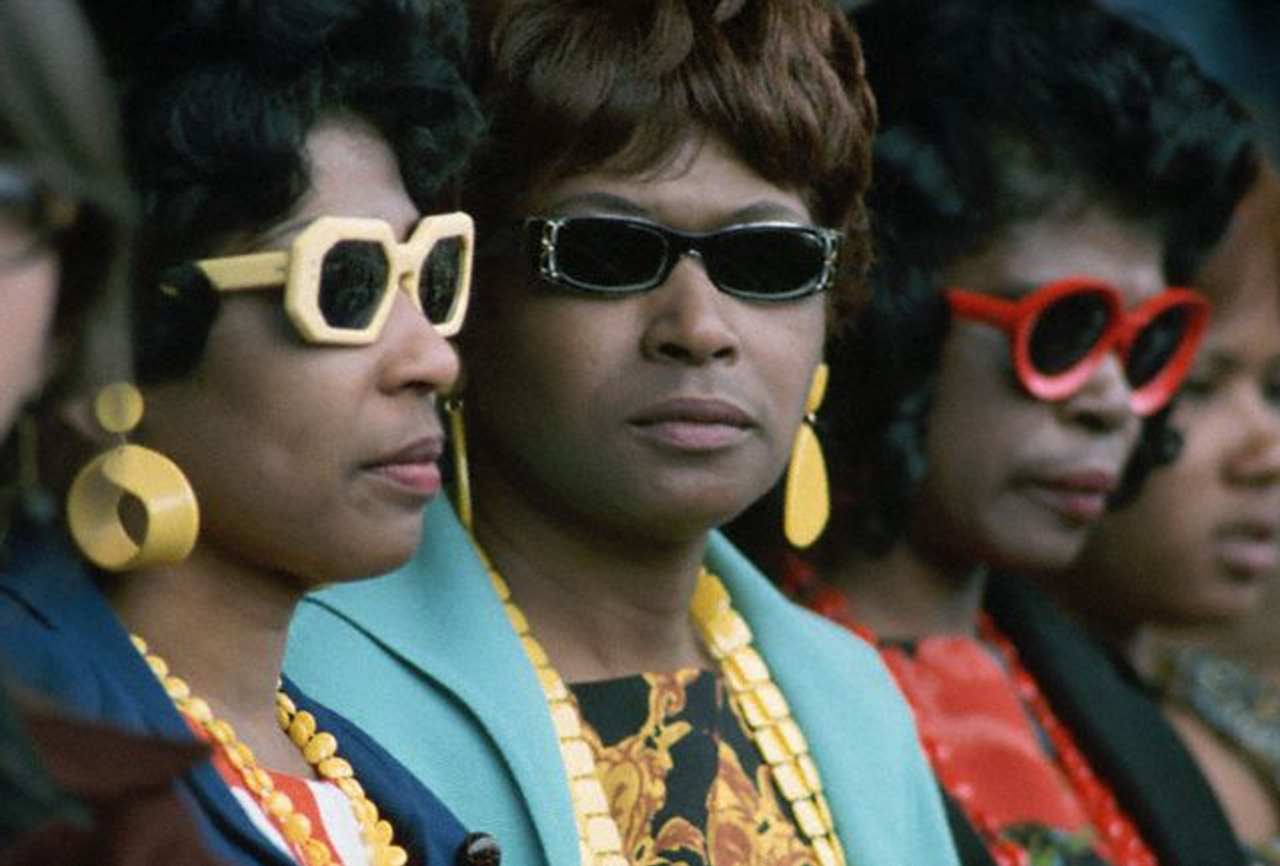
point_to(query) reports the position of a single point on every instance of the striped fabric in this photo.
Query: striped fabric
(332, 819)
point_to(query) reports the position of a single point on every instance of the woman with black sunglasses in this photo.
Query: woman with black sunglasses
(293, 305)
(1045, 171)
(670, 216)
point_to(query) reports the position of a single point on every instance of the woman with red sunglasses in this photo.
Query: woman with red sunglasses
(1043, 173)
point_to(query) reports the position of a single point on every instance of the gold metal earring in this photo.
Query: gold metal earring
(806, 497)
(461, 469)
(93, 503)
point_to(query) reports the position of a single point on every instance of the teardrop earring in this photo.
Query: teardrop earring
(806, 497)
(458, 450)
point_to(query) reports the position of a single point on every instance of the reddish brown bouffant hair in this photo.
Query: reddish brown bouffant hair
(573, 85)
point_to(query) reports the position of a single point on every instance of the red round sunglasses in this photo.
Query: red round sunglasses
(1063, 330)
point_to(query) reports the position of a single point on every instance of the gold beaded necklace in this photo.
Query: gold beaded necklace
(320, 749)
(755, 696)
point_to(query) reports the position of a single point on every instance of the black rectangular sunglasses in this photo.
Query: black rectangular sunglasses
(759, 261)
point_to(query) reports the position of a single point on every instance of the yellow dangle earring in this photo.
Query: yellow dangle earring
(458, 449)
(93, 503)
(806, 498)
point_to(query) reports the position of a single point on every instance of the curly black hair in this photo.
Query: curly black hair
(219, 96)
(995, 112)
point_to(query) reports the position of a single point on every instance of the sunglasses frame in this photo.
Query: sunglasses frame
(300, 268)
(1017, 318)
(678, 244)
(55, 213)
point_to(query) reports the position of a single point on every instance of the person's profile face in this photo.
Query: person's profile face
(1202, 541)
(315, 461)
(1013, 480)
(29, 274)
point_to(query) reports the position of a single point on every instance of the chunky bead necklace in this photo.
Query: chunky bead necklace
(320, 749)
(1108, 820)
(755, 696)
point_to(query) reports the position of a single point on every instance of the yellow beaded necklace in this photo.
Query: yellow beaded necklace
(756, 697)
(320, 749)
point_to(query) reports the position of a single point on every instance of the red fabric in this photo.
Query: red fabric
(966, 703)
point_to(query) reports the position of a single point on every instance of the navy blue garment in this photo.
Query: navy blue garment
(60, 638)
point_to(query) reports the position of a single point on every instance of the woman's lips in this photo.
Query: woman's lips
(694, 424)
(1249, 550)
(415, 468)
(1081, 497)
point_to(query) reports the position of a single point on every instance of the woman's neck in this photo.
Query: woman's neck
(906, 595)
(221, 627)
(603, 605)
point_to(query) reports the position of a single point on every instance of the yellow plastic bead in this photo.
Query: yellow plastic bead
(235, 758)
(277, 804)
(158, 666)
(118, 407)
(302, 728)
(366, 812)
(335, 768)
(220, 731)
(259, 780)
(296, 827)
(316, 853)
(351, 788)
(391, 855)
(139, 644)
(177, 688)
(377, 834)
(286, 703)
(198, 709)
(321, 746)
(239, 751)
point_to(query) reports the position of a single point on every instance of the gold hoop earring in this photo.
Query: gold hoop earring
(461, 469)
(93, 503)
(806, 497)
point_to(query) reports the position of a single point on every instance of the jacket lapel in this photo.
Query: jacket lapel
(54, 583)
(440, 616)
(1119, 727)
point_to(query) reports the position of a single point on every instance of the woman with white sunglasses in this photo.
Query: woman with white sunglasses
(293, 308)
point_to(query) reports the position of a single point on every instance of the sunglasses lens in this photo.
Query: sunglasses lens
(767, 262)
(1155, 345)
(440, 280)
(353, 282)
(1066, 331)
(609, 255)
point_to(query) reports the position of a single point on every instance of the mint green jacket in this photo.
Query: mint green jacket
(425, 662)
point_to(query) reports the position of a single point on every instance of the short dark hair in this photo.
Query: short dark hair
(570, 85)
(219, 97)
(995, 112)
